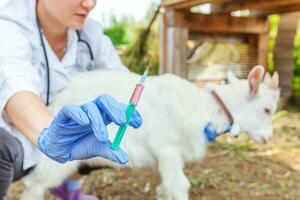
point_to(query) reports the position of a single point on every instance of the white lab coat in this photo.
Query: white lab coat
(22, 62)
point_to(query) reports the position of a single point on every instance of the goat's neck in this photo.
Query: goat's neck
(232, 98)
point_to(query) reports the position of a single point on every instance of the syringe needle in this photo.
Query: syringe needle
(145, 74)
(150, 63)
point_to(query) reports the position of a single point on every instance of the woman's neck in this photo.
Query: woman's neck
(54, 31)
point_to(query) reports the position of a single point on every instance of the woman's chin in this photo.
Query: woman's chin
(78, 24)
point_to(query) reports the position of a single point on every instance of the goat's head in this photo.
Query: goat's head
(257, 102)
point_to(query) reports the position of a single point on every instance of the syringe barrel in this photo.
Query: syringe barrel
(136, 94)
(129, 112)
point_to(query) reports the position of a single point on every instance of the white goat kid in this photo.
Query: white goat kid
(175, 113)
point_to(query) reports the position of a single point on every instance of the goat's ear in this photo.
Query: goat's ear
(267, 79)
(254, 79)
(275, 81)
(272, 82)
(231, 77)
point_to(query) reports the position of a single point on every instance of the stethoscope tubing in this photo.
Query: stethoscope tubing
(46, 57)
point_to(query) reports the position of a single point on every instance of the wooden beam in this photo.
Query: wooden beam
(264, 7)
(235, 5)
(185, 4)
(278, 10)
(226, 24)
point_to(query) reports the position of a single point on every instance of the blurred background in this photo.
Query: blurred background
(134, 29)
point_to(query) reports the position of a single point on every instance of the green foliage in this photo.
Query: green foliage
(136, 57)
(136, 42)
(274, 21)
(120, 33)
(296, 70)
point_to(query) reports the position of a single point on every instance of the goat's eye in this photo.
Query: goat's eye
(268, 111)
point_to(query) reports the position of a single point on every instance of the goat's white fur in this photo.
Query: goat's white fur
(174, 113)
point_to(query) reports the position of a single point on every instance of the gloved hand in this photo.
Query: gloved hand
(79, 132)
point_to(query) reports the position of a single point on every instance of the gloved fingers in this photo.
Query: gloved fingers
(72, 112)
(96, 121)
(91, 147)
(118, 156)
(113, 109)
(136, 119)
(117, 111)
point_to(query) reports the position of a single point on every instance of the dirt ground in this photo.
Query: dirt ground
(234, 169)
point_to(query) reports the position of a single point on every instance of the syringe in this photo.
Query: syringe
(131, 108)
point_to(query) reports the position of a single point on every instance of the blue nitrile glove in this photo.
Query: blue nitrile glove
(79, 132)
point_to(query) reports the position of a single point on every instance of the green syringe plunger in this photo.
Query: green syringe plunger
(121, 131)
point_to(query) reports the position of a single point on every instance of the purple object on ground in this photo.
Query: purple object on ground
(63, 193)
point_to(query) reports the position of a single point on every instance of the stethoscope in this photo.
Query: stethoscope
(46, 57)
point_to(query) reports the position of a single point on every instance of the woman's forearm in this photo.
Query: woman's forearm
(29, 114)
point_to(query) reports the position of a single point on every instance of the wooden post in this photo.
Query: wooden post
(176, 51)
(252, 50)
(163, 44)
(283, 55)
(173, 36)
(262, 46)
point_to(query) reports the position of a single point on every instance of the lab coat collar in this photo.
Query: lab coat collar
(69, 58)
(32, 11)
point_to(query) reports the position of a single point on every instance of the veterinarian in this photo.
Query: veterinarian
(42, 44)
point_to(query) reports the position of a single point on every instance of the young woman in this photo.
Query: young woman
(42, 44)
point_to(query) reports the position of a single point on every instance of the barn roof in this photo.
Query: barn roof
(227, 6)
